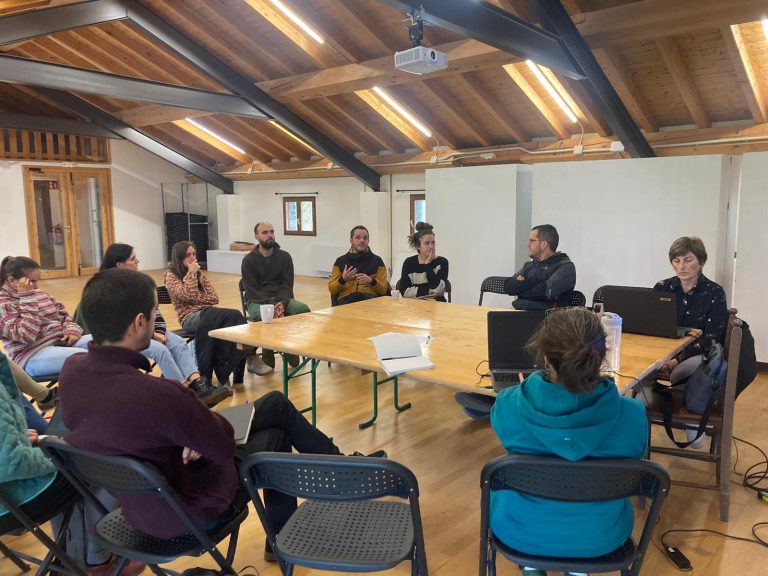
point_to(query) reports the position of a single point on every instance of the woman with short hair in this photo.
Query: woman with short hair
(425, 273)
(571, 411)
(194, 298)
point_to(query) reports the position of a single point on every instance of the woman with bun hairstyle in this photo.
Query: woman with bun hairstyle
(36, 330)
(571, 411)
(425, 273)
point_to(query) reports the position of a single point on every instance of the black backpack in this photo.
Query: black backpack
(747, 360)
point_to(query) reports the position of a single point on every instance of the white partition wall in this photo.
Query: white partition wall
(617, 219)
(481, 216)
(751, 275)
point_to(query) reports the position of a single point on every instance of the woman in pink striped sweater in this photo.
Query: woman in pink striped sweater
(36, 330)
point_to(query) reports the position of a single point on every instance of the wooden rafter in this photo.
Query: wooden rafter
(255, 135)
(650, 19)
(450, 107)
(463, 55)
(383, 109)
(745, 72)
(514, 71)
(679, 72)
(234, 133)
(333, 127)
(213, 142)
(352, 12)
(413, 102)
(622, 82)
(492, 109)
(150, 114)
(379, 136)
(586, 104)
(322, 56)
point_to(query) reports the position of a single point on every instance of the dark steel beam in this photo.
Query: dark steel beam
(193, 52)
(55, 125)
(554, 16)
(489, 25)
(33, 73)
(52, 20)
(122, 130)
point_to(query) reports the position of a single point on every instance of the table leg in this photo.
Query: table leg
(289, 375)
(376, 384)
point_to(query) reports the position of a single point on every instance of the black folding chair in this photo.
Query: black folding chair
(342, 524)
(164, 297)
(493, 284)
(588, 480)
(120, 474)
(577, 299)
(18, 522)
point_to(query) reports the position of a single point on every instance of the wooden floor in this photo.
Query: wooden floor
(446, 451)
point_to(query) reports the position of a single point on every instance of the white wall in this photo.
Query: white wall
(617, 219)
(136, 176)
(752, 238)
(480, 214)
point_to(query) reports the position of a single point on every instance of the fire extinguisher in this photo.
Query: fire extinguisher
(58, 234)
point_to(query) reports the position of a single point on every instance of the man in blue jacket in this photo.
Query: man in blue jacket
(548, 279)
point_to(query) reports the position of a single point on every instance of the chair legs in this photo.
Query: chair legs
(11, 555)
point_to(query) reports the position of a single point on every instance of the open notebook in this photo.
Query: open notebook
(398, 353)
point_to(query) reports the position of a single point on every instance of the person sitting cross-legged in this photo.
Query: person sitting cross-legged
(162, 422)
(267, 273)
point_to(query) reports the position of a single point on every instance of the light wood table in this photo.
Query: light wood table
(458, 343)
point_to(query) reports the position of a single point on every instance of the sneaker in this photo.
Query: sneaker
(293, 360)
(695, 442)
(207, 394)
(377, 454)
(268, 357)
(132, 568)
(50, 400)
(256, 365)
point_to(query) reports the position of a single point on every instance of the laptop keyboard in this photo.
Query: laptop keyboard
(506, 377)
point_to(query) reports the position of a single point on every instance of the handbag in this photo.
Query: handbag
(697, 383)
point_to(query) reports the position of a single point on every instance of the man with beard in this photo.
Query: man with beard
(268, 279)
(548, 279)
(359, 274)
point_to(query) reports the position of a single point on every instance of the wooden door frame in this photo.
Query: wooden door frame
(69, 205)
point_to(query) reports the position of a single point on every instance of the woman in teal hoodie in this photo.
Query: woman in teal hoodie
(571, 411)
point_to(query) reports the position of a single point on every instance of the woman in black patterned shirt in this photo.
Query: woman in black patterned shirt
(700, 301)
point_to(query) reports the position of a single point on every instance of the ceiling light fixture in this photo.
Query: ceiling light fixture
(214, 135)
(551, 89)
(403, 112)
(765, 28)
(298, 21)
(284, 130)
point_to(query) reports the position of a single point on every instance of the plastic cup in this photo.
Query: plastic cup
(267, 313)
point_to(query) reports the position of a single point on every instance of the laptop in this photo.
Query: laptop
(644, 311)
(508, 333)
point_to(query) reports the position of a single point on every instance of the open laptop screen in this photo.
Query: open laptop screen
(508, 333)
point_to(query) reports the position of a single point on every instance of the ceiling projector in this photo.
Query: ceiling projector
(420, 60)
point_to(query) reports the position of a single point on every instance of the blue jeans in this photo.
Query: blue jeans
(34, 418)
(50, 359)
(175, 359)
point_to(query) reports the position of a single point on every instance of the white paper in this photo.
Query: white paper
(392, 345)
(400, 365)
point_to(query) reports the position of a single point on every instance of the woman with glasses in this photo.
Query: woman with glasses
(567, 410)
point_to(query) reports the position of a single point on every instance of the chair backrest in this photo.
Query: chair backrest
(243, 302)
(88, 471)
(494, 284)
(163, 296)
(597, 297)
(588, 480)
(325, 477)
(577, 299)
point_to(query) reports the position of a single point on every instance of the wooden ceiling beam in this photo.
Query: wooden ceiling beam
(449, 106)
(156, 114)
(622, 82)
(679, 71)
(514, 72)
(352, 12)
(463, 56)
(319, 53)
(265, 145)
(578, 90)
(213, 142)
(424, 114)
(745, 72)
(635, 22)
(331, 126)
(379, 136)
(412, 134)
(492, 110)
(234, 133)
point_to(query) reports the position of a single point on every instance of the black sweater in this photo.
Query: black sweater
(268, 280)
(548, 283)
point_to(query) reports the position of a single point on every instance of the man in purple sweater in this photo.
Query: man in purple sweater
(113, 407)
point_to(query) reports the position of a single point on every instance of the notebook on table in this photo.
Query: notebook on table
(241, 418)
(508, 333)
(644, 311)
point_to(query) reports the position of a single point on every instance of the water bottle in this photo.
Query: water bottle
(612, 326)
